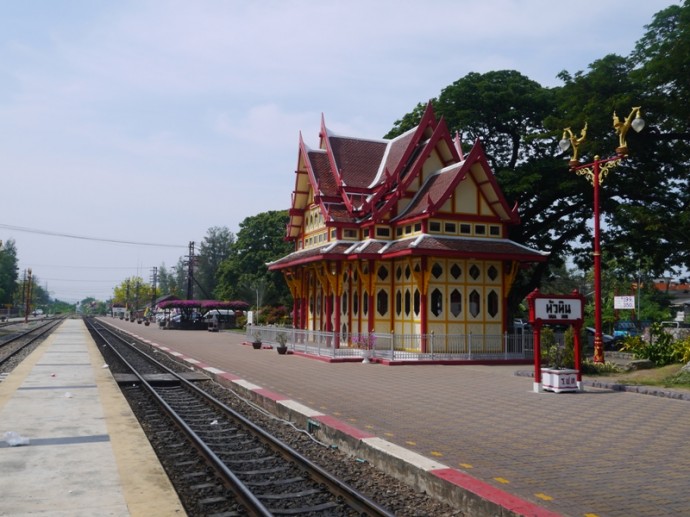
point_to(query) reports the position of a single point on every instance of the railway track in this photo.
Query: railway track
(221, 462)
(17, 339)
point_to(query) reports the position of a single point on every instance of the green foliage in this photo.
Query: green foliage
(134, 293)
(244, 274)
(644, 201)
(682, 349)
(589, 367)
(214, 249)
(279, 315)
(8, 271)
(662, 349)
(681, 379)
(555, 355)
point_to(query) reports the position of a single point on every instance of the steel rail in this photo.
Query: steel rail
(39, 332)
(354, 499)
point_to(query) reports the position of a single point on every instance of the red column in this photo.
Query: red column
(372, 308)
(336, 316)
(423, 327)
(598, 341)
(578, 359)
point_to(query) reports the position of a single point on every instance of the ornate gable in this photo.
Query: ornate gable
(418, 184)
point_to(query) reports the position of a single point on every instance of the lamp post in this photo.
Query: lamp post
(596, 171)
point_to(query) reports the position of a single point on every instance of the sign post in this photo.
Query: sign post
(555, 308)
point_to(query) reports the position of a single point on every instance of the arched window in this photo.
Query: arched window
(492, 303)
(475, 303)
(436, 302)
(455, 303)
(382, 302)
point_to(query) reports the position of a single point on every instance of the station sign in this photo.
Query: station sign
(558, 309)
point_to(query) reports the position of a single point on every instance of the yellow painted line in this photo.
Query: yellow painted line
(337, 414)
(466, 465)
(388, 434)
(591, 515)
(437, 454)
(369, 426)
(502, 480)
(411, 443)
(352, 419)
(544, 497)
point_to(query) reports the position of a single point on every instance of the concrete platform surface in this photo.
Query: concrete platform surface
(86, 454)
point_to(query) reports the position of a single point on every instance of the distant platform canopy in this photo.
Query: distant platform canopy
(204, 305)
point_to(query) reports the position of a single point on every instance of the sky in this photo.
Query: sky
(129, 128)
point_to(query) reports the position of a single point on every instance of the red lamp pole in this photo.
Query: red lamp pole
(598, 338)
(596, 171)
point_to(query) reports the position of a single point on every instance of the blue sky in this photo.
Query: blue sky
(150, 121)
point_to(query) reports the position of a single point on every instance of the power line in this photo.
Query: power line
(88, 267)
(99, 239)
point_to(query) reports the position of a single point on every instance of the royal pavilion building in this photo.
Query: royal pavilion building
(405, 240)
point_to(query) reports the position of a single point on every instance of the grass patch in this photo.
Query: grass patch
(669, 376)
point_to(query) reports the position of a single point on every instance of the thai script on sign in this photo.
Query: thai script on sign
(556, 308)
(567, 309)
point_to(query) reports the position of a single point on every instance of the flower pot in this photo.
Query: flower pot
(257, 345)
(559, 379)
(282, 349)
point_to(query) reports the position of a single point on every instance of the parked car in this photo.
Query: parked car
(626, 328)
(610, 342)
(674, 324)
(520, 325)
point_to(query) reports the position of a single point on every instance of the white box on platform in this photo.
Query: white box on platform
(558, 380)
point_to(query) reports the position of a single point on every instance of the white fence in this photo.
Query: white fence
(401, 347)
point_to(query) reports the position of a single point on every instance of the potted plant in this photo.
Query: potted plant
(281, 338)
(367, 343)
(558, 374)
(257, 340)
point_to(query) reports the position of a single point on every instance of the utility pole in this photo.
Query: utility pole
(190, 272)
(27, 298)
(154, 279)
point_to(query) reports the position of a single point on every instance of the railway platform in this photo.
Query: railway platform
(69, 443)
(478, 432)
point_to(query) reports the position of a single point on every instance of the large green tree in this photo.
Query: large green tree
(244, 274)
(644, 201)
(506, 112)
(134, 293)
(9, 271)
(214, 249)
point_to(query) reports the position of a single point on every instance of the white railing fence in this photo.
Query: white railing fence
(400, 346)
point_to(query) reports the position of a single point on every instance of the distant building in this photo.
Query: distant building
(406, 235)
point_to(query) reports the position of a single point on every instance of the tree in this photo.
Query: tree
(261, 239)
(166, 282)
(214, 249)
(9, 271)
(645, 201)
(133, 293)
(506, 111)
(663, 70)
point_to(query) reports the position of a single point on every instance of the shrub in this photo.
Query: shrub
(661, 349)
(555, 355)
(589, 367)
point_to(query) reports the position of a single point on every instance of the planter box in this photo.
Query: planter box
(558, 380)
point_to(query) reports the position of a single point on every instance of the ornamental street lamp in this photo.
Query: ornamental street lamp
(595, 172)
